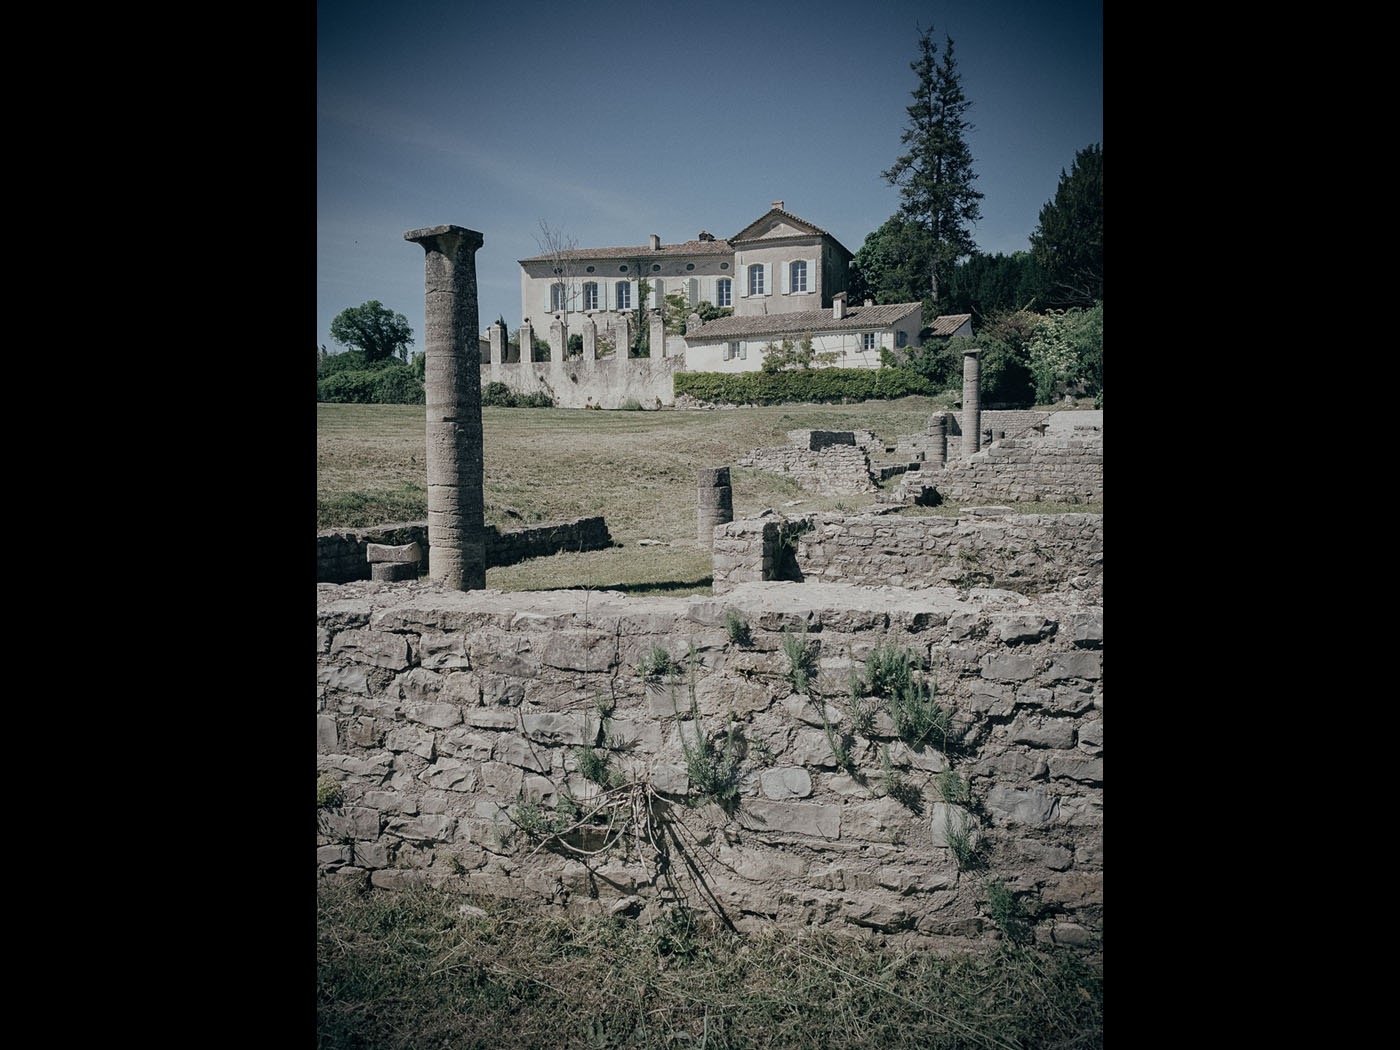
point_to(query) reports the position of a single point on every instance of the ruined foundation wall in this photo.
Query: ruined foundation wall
(441, 715)
(1029, 553)
(832, 470)
(341, 554)
(1017, 470)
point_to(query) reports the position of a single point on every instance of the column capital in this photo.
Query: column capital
(432, 237)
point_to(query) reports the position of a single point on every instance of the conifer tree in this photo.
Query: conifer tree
(935, 175)
(1068, 242)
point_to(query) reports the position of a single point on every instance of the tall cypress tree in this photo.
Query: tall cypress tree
(935, 175)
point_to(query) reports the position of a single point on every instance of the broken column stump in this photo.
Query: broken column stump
(389, 564)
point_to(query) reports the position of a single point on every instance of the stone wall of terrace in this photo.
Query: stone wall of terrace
(985, 547)
(460, 738)
(1017, 470)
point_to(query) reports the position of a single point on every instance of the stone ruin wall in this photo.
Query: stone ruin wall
(341, 554)
(439, 711)
(1028, 553)
(1018, 470)
(831, 462)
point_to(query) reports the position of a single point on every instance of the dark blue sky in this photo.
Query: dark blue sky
(613, 120)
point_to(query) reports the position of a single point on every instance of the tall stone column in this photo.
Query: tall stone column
(971, 402)
(452, 384)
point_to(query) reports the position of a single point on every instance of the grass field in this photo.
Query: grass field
(637, 469)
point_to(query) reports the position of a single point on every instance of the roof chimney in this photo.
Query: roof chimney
(838, 306)
(778, 205)
(655, 243)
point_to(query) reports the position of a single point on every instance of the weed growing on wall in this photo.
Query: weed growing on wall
(736, 629)
(953, 788)
(328, 792)
(897, 786)
(655, 663)
(841, 743)
(714, 772)
(799, 659)
(1011, 916)
(957, 832)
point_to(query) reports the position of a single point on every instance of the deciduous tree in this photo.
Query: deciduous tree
(373, 329)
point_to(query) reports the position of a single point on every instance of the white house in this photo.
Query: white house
(856, 335)
(781, 275)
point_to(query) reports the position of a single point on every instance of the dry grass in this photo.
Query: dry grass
(416, 968)
(637, 469)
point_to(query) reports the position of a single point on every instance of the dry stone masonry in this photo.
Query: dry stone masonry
(461, 735)
(343, 555)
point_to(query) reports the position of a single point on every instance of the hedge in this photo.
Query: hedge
(814, 384)
(391, 385)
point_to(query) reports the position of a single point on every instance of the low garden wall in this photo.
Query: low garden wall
(341, 554)
(531, 745)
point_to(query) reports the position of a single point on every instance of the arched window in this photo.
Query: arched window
(797, 275)
(590, 295)
(756, 279)
(724, 292)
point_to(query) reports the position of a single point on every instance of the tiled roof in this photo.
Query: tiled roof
(643, 251)
(948, 323)
(784, 214)
(804, 322)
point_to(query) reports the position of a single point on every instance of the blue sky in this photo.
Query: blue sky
(615, 119)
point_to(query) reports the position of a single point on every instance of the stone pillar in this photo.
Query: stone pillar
(527, 341)
(499, 349)
(452, 385)
(658, 335)
(556, 342)
(971, 402)
(622, 334)
(938, 440)
(590, 340)
(714, 503)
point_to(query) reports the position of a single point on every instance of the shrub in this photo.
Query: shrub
(391, 383)
(802, 385)
(499, 395)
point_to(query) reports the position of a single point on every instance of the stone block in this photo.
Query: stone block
(379, 553)
(393, 572)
